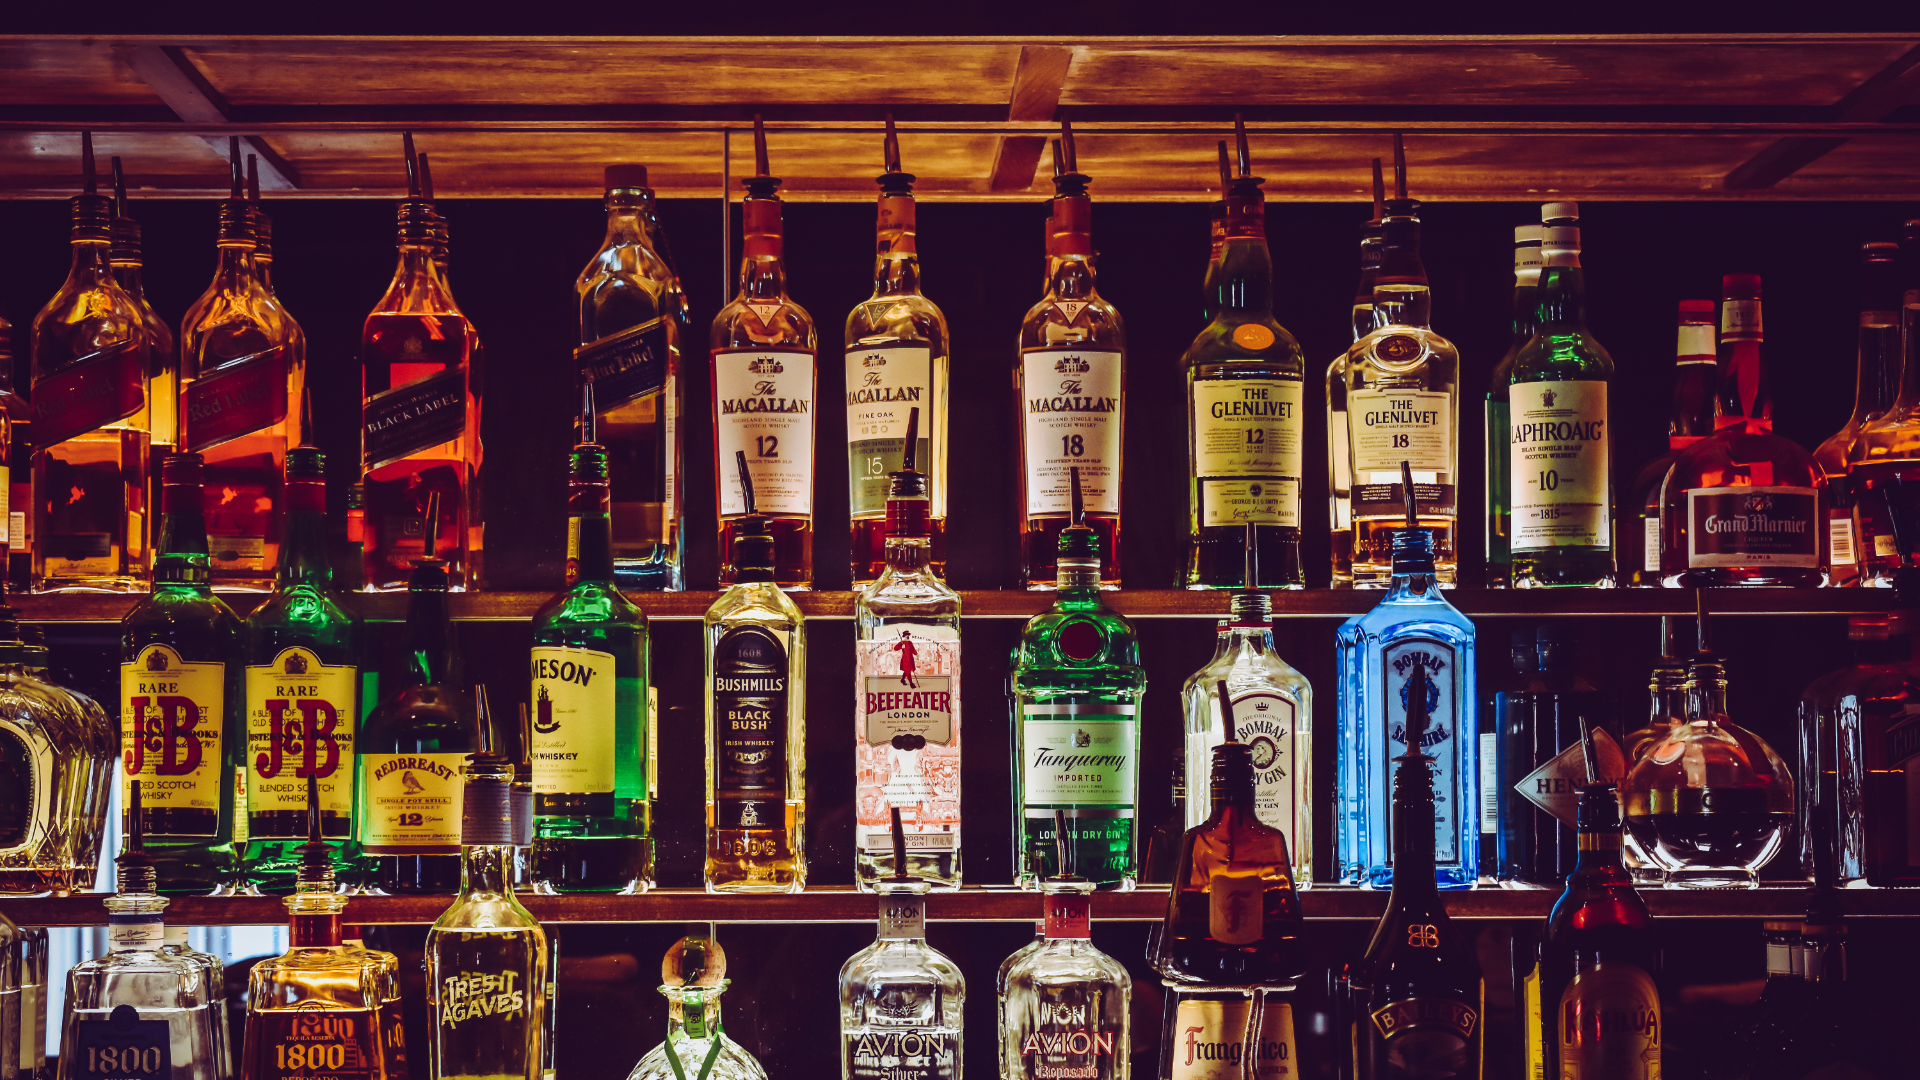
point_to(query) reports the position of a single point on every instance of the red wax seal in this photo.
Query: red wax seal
(1398, 348)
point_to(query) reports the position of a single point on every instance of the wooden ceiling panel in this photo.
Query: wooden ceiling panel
(68, 71)
(49, 162)
(1867, 166)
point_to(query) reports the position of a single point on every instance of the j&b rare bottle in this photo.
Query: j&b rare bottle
(763, 346)
(1065, 1005)
(693, 975)
(756, 650)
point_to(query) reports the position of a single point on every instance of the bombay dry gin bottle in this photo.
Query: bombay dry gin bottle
(1403, 404)
(1246, 383)
(420, 417)
(1416, 1000)
(1071, 384)
(756, 650)
(693, 975)
(593, 809)
(1076, 686)
(906, 741)
(91, 419)
(182, 695)
(901, 1000)
(630, 323)
(763, 347)
(303, 690)
(1499, 415)
(1065, 1005)
(896, 362)
(1412, 639)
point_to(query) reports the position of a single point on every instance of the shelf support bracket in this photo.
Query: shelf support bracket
(1037, 84)
(172, 76)
(1887, 90)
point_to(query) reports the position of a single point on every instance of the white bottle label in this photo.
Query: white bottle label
(172, 724)
(1072, 419)
(1489, 782)
(670, 406)
(1441, 741)
(1558, 461)
(301, 715)
(574, 714)
(907, 738)
(763, 405)
(1840, 541)
(1390, 426)
(1266, 723)
(145, 932)
(1246, 450)
(884, 385)
(1650, 558)
(1696, 344)
(1079, 756)
(902, 917)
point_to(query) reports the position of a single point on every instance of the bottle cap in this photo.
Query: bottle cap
(1555, 213)
(181, 477)
(1740, 286)
(626, 176)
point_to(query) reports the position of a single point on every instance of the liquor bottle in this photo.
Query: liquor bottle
(1886, 456)
(52, 764)
(1667, 688)
(1785, 999)
(16, 435)
(630, 326)
(1000, 978)
(1543, 763)
(1499, 416)
(1339, 438)
(693, 975)
(182, 697)
(1412, 631)
(242, 382)
(263, 275)
(486, 957)
(163, 359)
(1065, 1006)
(1878, 353)
(302, 659)
(764, 384)
(756, 649)
(419, 416)
(1216, 241)
(1524, 656)
(1745, 506)
(30, 955)
(91, 420)
(1163, 840)
(393, 1035)
(906, 742)
(1416, 999)
(1591, 1005)
(139, 1010)
(901, 1000)
(1233, 917)
(90, 755)
(438, 245)
(590, 667)
(411, 750)
(1696, 391)
(1071, 387)
(1076, 687)
(896, 363)
(1403, 403)
(1272, 708)
(175, 944)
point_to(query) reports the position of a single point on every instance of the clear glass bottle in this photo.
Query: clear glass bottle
(901, 1000)
(393, 1032)
(1339, 452)
(139, 1001)
(1878, 354)
(630, 324)
(1667, 690)
(1413, 630)
(31, 950)
(1065, 1008)
(1696, 391)
(1542, 765)
(1499, 414)
(52, 760)
(896, 362)
(90, 334)
(1071, 388)
(16, 437)
(906, 741)
(756, 650)
(765, 385)
(692, 977)
(175, 943)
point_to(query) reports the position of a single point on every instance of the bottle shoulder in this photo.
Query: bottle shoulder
(1218, 350)
(739, 327)
(1093, 325)
(167, 615)
(1728, 458)
(904, 319)
(895, 595)
(589, 605)
(491, 913)
(887, 964)
(1060, 962)
(758, 603)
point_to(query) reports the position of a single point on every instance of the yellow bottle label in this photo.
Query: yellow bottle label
(171, 715)
(300, 720)
(240, 831)
(1533, 1035)
(410, 803)
(573, 721)
(1608, 1025)
(1210, 1040)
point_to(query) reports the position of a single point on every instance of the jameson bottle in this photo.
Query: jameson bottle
(1246, 384)
(303, 691)
(1526, 320)
(181, 699)
(1562, 528)
(764, 382)
(593, 810)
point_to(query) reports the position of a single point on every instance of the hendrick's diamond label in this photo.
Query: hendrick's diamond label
(238, 398)
(411, 418)
(92, 392)
(626, 366)
(750, 712)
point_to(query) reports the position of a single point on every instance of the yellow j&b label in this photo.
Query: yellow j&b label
(573, 721)
(410, 803)
(300, 719)
(171, 714)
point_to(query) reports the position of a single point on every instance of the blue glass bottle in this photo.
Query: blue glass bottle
(1378, 651)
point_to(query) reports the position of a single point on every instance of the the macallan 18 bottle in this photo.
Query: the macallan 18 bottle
(420, 416)
(763, 392)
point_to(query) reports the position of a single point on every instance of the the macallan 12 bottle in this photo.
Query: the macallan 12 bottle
(764, 380)
(1071, 384)
(420, 415)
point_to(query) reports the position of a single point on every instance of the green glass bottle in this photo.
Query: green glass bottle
(1561, 491)
(592, 808)
(302, 693)
(1076, 686)
(181, 700)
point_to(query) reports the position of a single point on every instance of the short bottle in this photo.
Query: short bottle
(693, 975)
(1541, 762)
(60, 759)
(175, 943)
(1065, 1009)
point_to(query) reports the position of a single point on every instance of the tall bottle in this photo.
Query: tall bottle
(1416, 999)
(1696, 390)
(896, 362)
(1339, 435)
(764, 384)
(906, 741)
(1246, 385)
(16, 433)
(303, 691)
(1076, 687)
(756, 648)
(1412, 634)
(411, 751)
(420, 415)
(91, 349)
(1887, 454)
(1544, 758)
(1526, 320)
(590, 666)
(1878, 354)
(1403, 404)
(1216, 240)
(630, 323)
(182, 698)
(693, 975)
(1071, 387)
(263, 272)
(1065, 1007)
(163, 357)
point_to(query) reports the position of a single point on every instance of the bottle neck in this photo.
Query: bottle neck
(1696, 389)
(92, 263)
(1669, 694)
(235, 271)
(1400, 293)
(487, 868)
(909, 554)
(1526, 306)
(590, 546)
(1879, 351)
(693, 1014)
(1600, 855)
(1413, 811)
(1746, 397)
(182, 561)
(1072, 277)
(303, 551)
(626, 222)
(1244, 284)
(1707, 693)
(429, 650)
(1562, 298)
(1078, 577)
(896, 261)
(763, 276)
(132, 279)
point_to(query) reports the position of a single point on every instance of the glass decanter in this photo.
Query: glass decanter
(693, 976)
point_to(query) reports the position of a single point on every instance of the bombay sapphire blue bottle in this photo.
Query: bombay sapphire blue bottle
(1378, 652)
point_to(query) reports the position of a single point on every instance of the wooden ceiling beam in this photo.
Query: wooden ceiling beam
(1038, 81)
(172, 76)
(1894, 86)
